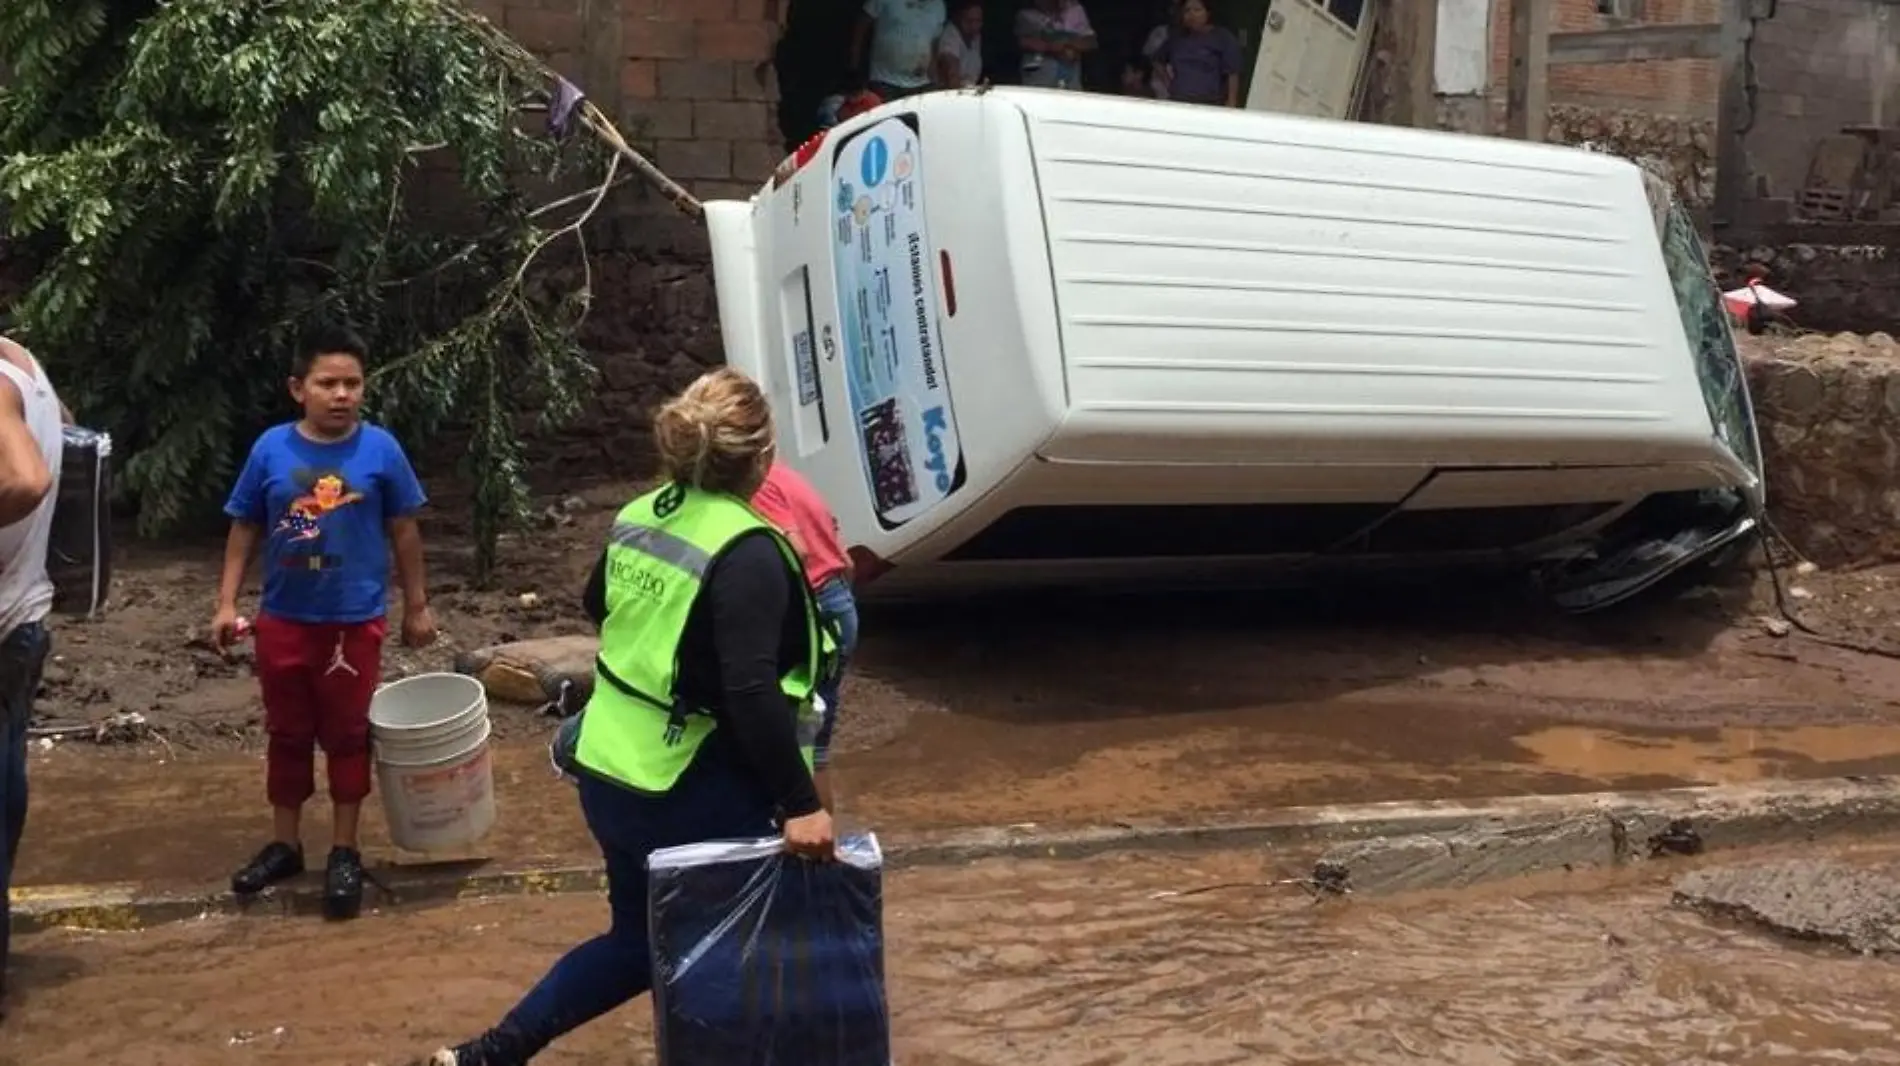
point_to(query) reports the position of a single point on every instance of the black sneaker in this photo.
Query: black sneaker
(343, 885)
(277, 862)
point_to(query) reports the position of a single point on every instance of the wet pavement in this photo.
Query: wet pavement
(160, 819)
(1193, 961)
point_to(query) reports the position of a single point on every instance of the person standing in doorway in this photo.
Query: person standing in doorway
(893, 44)
(1054, 35)
(701, 720)
(31, 446)
(812, 60)
(1167, 24)
(1202, 60)
(960, 47)
(790, 502)
(327, 495)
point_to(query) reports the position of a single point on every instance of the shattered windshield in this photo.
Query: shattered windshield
(1705, 324)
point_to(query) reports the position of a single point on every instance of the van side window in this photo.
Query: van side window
(1705, 324)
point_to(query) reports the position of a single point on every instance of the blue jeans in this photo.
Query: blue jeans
(712, 801)
(22, 658)
(838, 606)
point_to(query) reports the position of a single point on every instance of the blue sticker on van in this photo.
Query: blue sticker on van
(891, 343)
(875, 162)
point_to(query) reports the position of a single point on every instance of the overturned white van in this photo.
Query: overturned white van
(1025, 337)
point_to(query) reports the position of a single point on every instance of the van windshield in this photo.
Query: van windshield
(1705, 324)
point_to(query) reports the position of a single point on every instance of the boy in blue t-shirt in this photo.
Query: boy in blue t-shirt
(328, 495)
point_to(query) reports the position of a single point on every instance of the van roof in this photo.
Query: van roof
(1369, 138)
(1378, 293)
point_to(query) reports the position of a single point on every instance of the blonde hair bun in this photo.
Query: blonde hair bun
(716, 434)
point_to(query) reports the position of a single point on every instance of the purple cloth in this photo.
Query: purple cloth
(567, 99)
(1201, 64)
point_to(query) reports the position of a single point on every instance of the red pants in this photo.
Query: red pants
(317, 681)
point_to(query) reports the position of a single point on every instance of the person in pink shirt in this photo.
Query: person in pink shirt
(793, 504)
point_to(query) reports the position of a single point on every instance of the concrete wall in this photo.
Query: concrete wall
(1817, 65)
(1820, 65)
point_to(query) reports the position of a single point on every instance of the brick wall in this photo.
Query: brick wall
(1677, 87)
(693, 75)
(683, 79)
(685, 76)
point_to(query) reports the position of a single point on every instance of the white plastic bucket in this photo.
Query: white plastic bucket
(433, 767)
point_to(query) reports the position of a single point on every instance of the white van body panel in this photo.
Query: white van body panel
(1150, 304)
(1365, 288)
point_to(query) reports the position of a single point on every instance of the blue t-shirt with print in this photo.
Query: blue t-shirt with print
(324, 509)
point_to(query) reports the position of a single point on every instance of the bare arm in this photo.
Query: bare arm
(949, 71)
(24, 478)
(1233, 90)
(239, 546)
(405, 534)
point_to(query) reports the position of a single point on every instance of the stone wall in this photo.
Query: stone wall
(1839, 286)
(1681, 149)
(1829, 411)
(653, 328)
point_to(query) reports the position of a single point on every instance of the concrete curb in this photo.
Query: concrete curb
(1510, 835)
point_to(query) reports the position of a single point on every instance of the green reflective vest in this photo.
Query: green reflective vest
(636, 730)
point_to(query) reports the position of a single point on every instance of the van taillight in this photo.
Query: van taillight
(800, 156)
(866, 567)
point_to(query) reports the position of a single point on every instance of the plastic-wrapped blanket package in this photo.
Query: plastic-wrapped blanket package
(79, 548)
(761, 958)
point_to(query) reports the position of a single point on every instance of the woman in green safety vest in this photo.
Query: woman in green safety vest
(701, 720)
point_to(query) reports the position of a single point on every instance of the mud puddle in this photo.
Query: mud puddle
(1193, 961)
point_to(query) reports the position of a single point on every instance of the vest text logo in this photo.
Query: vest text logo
(635, 580)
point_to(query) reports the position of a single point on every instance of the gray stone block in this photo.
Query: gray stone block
(1813, 900)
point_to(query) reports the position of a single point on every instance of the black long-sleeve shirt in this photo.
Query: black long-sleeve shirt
(746, 629)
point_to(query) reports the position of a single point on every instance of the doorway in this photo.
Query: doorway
(1311, 56)
(1300, 56)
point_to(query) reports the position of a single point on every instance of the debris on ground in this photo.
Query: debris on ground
(125, 727)
(1816, 900)
(1679, 837)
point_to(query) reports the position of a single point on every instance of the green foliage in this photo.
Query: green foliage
(200, 179)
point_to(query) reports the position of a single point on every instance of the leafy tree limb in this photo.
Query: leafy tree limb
(200, 179)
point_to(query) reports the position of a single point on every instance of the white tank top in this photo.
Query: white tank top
(26, 595)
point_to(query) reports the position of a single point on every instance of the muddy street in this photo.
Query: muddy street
(1074, 709)
(1070, 710)
(1071, 964)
